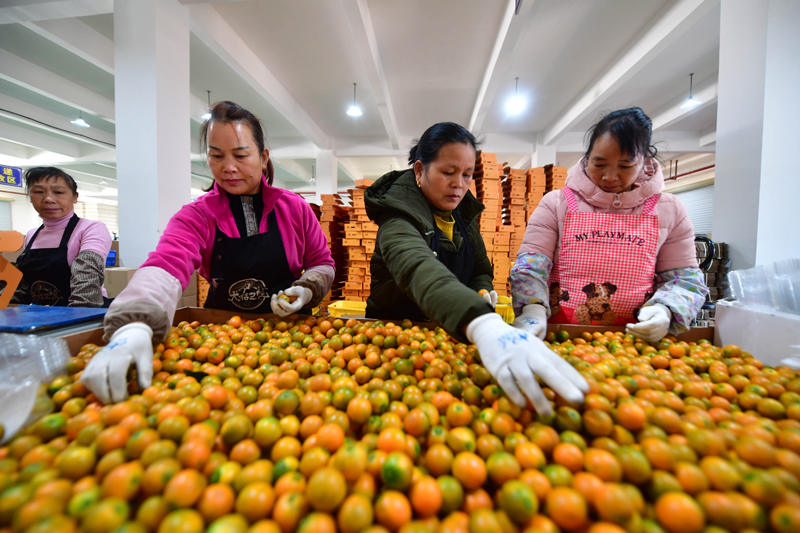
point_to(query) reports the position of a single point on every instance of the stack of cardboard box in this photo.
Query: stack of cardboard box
(515, 193)
(359, 242)
(536, 189)
(332, 220)
(488, 185)
(202, 290)
(556, 176)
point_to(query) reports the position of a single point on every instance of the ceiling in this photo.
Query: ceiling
(415, 63)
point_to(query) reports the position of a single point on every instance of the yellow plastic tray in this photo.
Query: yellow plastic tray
(347, 307)
(505, 309)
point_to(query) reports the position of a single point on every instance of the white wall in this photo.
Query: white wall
(23, 216)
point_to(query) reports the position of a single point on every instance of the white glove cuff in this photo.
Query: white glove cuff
(537, 310)
(478, 323)
(133, 326)
(665, 309)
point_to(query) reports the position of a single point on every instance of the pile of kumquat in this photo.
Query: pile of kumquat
(321, 425)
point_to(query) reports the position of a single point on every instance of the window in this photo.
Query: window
(700, 206)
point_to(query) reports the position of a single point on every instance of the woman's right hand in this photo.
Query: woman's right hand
(515, 358)
(106, 374)
(533, 320)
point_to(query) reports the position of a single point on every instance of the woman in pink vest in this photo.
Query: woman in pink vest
(610, 248)
(252, 241)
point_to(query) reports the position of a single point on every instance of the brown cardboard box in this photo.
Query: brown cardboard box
(191, 289)
(188, 301)
(117, 278)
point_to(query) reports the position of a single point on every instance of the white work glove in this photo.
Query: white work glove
(106, 374)
(653, 323)
(284, 308)
(515, 358)
(491, 297)
(533, 320)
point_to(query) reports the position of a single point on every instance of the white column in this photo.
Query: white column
(755, 208)
(543, 155)
(151, 82)
(327, 172)
(779, 216)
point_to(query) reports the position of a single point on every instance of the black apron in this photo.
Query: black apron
(460, 263)
(46, 271)
(247, 271)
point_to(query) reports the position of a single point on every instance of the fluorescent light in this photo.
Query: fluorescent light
(354, 110)
(207, 114)
(515, 105)
(690, 103)
(79, 121)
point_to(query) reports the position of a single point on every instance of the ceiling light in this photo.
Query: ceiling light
(207, 114)
(516, 104)
(691, 102)
(354, 110)
(79, 121)
(103, 182)
(313, 174)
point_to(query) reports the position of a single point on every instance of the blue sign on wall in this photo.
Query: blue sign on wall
(10, 176)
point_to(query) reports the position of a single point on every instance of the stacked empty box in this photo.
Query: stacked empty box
(515, 196)
(489, 188)
(535, 190)
(332, 220)
(556, 176)
(202, 290)
(359, 242)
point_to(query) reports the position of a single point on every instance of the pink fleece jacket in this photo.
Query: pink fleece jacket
(675, 237)
(188, 240)
(88, 235)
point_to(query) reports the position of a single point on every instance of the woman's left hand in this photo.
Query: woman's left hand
(491, 297)
(283, 307)
(653, 323)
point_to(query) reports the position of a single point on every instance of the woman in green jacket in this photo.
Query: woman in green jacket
(430, 262)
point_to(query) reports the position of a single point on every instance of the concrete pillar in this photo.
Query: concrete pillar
(327, 172)
(151, 82)
(543, 155)
(755, 193)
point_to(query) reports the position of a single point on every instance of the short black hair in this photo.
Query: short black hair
(36, 174)
(426, 148)
(630, 127)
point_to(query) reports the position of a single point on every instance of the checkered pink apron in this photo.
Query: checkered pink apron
(606, 265)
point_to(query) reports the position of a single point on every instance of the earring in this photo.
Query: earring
(418, 184)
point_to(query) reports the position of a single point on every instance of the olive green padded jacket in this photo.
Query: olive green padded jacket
(404, 264)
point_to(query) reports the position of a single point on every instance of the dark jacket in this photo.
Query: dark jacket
(404, 264)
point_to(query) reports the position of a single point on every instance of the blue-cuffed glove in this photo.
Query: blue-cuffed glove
(515, 358)
(533, 320)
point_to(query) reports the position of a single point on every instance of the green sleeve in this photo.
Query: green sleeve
(435, 289)
(483, 274)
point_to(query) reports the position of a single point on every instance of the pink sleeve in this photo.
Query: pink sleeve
(541, 233)
(678, 250)
(180, 249)
(95, 238)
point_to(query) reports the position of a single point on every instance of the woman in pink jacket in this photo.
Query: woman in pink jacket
(610, 248)
(252, 241)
